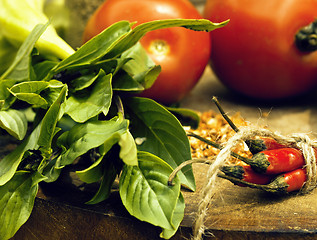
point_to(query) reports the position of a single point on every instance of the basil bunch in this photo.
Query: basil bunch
(62, 110)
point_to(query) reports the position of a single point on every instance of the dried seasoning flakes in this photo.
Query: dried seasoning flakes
(213, 127)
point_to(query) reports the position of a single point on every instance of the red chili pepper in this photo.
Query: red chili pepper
(271, 162)
(285, 183)
(262, 144)
(276, 161)
(255, 145)
(246, 173)
(294, 180)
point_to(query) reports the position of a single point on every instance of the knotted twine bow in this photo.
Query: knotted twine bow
(299, 141)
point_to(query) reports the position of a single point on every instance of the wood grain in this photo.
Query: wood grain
(234, 213)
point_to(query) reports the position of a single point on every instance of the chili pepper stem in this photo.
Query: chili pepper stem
(211, 143)
(277, 186)
(224, 115)
(233, 171)
(218, 146)
(255, 146)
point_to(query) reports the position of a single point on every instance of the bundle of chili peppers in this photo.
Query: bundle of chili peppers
(274, 167)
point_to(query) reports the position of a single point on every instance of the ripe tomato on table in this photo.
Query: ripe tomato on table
(183, 54)
(255, 54)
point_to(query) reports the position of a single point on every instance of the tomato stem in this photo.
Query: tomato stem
(306, 38)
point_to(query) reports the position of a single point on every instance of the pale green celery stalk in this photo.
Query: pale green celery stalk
(36, 4)
(59, 13)
(19, 17)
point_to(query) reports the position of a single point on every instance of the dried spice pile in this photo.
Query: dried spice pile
(215, 128)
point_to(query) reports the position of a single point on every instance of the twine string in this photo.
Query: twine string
(307, 146)
(299, 141)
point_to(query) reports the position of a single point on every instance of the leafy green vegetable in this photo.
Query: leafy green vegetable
(9, 164)
(20, 67)
(14, 122)
(146, 195)
(92, 134)
(186, 116)
(17, 20)
(49, 123)
(90, 102)
(177, 218)
(108, 177)
(64, 105)
(162, 133)
(17, 199)
(94, 50)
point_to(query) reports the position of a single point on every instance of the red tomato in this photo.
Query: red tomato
(255, 53)
(183, 54)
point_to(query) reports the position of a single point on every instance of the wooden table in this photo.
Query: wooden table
(234, 213)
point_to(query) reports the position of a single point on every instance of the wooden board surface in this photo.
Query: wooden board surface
(234, 212)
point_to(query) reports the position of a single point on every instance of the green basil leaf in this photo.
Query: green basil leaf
(82, 82)
(6, 98)
(52, 171)
(111, 65)
(141, 67)
(29, 87)
(95, 49)
(29, 92)
(83, 137)
(4, 85)
(50, 120)
(10, 163)
(177, 218)
(144, 191)
(32, 98)
(139, 31)
(108, 177)
(82, 106)
(127, 153)
(16, 201)
(163, 135)
(128, 150)
(93, 173)
(187, 117)
(122, 81)
(41, 69)
(14, 122)
(55, 84)
(52, 93)
(20, 69)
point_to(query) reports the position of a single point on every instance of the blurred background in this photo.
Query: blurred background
(286, 117)
(79, 12)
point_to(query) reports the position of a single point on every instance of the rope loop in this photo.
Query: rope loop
(299, 141)
(307, 146)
